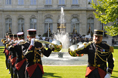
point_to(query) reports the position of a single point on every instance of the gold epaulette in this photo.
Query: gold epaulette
(111, 49)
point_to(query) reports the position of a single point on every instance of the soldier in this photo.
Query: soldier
(99, 54)
(13, 57)
(20, 61)
(9, 52)
(6, 41)
(34, 68)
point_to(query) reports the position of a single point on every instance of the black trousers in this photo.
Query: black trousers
(21, 71)
(37, 73)
(6, 62)
(94, 74)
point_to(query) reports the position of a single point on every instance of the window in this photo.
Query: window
(20, 2)
(61, 2)
(75, 26)
(102, 28)
(90, 26)
(8, 2)
(8, 23)
(20, 25)
(48, 2)
(33, 2)
(89, 1)
(74, 1)
(48, 27)
(33, 23)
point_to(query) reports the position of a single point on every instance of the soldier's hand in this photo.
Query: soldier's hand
(108, 75)
(52, 47)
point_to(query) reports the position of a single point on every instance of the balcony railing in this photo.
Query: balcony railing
(48, 6)
(75, 5)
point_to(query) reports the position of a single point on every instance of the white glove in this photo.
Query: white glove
(108, 75)
(51, 47)
(32, 41)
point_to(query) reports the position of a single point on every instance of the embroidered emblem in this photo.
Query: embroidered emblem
(103, 50)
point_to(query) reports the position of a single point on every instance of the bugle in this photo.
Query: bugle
(57, 45)
(74, 48)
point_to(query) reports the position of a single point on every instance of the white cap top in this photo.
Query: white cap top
(20, 33)
(31, 30)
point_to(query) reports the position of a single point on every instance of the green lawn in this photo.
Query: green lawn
(59, 71)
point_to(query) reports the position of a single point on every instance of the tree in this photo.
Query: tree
(106, 12)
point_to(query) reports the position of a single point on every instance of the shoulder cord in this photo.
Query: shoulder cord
(97, 54)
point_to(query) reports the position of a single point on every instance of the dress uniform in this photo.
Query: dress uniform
(34, 68)
(9, 53)
(13, 57)
(98, 56)
(6, 41)
(20, 60)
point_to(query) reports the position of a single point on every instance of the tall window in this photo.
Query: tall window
(75, 25)
(20, 25)
(33, 23)
(33, 2)
(48, 27)
(74, 1)
(20, 2)
(8, 2)
(61, 2)
(102, 28)
(8, 23)
(90, 26)
(48, 2)
(89, 1)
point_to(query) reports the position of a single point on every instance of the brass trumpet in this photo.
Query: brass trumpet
(3, 41)
(79, 46)
(57, 45)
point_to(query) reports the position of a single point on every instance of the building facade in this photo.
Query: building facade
(44, 16)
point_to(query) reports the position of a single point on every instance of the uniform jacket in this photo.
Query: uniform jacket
(19, 54)
(98, 56)
(33, 56)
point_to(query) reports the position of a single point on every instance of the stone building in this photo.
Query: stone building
(44, 15)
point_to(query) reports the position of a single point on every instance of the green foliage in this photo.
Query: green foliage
(106, 12)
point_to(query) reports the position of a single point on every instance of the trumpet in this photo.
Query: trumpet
(57, 45)
(79, 46)
(3, 41)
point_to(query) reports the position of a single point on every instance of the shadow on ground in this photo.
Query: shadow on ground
(114, 77)
(52, 75)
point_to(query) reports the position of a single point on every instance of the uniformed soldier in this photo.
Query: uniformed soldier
(34, 68)
(12, 56)
(9, 53)
(6, 41)
(20, 60)
(99, 53)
